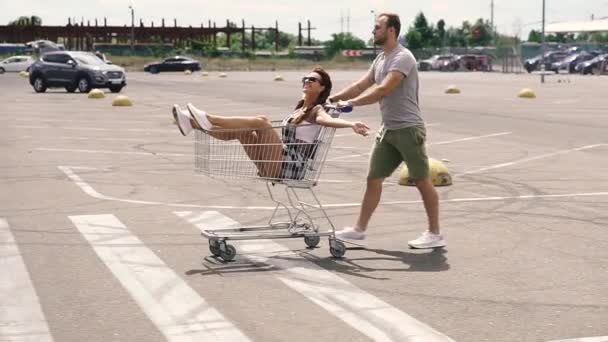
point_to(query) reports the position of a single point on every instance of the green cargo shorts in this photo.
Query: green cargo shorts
(394, 146)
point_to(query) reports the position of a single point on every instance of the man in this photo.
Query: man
(402, 135)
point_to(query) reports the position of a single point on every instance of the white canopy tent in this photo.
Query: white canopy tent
(578, 26)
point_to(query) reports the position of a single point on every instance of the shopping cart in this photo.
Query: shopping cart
(246, 154)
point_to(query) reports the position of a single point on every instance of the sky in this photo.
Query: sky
(510, 16)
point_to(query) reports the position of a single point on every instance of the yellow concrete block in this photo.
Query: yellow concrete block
(452, 90)
(96, 94)
(204, 73)
(122, 101)
(24, 74)
(279, 78)
(223, 75)
(440, 174)
(187, 72)
(527, 93)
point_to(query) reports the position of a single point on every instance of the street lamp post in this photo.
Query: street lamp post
(542, 58)
(373, 24)
(132, 30)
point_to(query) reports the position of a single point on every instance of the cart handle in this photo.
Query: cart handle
(345, 109)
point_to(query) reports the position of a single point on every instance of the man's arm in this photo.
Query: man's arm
(391, 81)
(354, 89)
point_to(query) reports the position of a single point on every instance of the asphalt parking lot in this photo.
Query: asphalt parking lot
(100, 212)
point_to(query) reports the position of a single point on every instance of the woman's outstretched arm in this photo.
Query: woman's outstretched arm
(325, 119)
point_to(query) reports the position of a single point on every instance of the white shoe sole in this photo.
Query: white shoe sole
(176, 117)
(200, 117)
(439, 244)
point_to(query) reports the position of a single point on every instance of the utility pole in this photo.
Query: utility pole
(299, 34)
(348, 22)
(492, 17)
(542, 58)
(132, 29)
(341, 22)
(309, 44)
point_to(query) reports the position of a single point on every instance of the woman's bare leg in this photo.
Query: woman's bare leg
(232, 122)
(265, 147)
(262, 143)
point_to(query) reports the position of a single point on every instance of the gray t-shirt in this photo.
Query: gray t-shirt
(400, 107)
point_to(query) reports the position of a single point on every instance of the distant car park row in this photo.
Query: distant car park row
(573, 60)
(452, 62)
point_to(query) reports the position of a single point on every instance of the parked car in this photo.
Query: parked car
(551, 57)
(446, 63)
(570, 62)
(467, 62)
(593, 66)
(16, 64)
(75, 70)
(484, 63)
(43, 46)
(427, 64)
(176, 63)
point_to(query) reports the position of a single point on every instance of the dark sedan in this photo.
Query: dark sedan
(570, 62)
(593, 66)
(176, 63)
(551, 57)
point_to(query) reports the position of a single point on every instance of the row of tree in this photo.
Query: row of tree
(536, 36)
(26, 21)
(423, 34)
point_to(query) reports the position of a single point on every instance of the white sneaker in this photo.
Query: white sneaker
(200, 117)
(349, 233)
(428, 240)
(182, 118)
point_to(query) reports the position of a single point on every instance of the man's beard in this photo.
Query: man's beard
(380, 41)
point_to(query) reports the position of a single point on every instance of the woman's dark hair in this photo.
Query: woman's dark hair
(326, 82)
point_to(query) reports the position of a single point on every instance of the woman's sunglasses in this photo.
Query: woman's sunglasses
(310, 79)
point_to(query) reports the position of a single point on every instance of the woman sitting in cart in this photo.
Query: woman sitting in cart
(275, 156)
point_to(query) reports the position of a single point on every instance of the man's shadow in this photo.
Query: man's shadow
(433, 261)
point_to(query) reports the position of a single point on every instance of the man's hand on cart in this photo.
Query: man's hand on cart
(344, 104)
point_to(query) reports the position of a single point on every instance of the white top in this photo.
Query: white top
(306, 131)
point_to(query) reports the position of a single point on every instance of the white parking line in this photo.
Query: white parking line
(469, 138)
(162, 154)
(86, 188)
(177, 310)
(585, 339)
(361, 310)
(524, 160)
(151, 130)
(375, 131)
(121, 122)
(21, 317)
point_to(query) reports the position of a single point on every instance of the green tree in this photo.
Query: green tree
(534, 36)
(414, 39)
(422, 26)
(26, 21)
(342, 41)
(481, 33)
(441, 31)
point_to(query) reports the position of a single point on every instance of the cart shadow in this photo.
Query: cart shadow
(432, 261)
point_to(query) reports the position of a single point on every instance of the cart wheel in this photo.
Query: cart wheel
(214, 247)
(312, 241)
(229, 253)
(337, 249)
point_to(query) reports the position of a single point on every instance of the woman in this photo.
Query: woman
(275, 156)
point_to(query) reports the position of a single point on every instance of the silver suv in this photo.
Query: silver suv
(75, 70)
